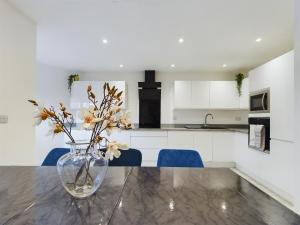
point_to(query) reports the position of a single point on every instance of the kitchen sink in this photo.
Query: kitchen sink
(203, 126)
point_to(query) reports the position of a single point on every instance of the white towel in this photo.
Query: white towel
(260, 137)
(252, 135)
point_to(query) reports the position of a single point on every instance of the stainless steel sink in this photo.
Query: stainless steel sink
(203, 126)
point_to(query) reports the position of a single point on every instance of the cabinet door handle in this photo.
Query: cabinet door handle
(263, 101)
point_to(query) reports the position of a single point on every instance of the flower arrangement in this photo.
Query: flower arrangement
(82, 171)
(105, 115)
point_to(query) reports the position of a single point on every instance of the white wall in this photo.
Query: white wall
(168, 115)
(17, 84)
(274, 170)
(297, 103)
(52, 89)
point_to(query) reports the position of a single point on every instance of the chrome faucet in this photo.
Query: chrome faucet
(208, 114)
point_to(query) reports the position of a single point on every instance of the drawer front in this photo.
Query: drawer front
(204, 145)
(149, 133)
(150, 154)
(181, 140)
(149, 142)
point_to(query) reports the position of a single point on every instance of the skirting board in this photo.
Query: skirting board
(266, 190)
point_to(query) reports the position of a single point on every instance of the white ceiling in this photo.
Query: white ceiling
(143, 34)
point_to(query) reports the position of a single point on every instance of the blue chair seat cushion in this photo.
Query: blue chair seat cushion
(179, 158)
(130, 157)
(53, 156)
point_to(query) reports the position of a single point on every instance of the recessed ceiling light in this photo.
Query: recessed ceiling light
(173, 65)
(224, 65)
(258, 40)
(104, 41)
(180, 40)
(121, 65)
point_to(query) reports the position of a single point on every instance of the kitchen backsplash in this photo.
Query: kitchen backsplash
(195, 116)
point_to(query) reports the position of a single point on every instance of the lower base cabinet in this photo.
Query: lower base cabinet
(200, 141)
(203, 142)
(216, 148)
(223, 146)
(149, 143)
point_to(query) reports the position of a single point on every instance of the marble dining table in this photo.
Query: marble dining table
(137, 196)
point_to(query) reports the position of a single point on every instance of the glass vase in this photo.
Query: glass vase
(82, 170)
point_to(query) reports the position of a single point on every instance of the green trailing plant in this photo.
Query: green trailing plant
(239, 81)
(71, 79)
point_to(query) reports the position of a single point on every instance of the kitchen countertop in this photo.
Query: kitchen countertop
(139, 196)
(241, 128)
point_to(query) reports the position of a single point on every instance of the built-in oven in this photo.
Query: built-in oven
(260, 101)
(259, 133)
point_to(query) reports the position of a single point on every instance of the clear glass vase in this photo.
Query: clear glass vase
(82, 171)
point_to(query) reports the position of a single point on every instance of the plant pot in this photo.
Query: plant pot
(82, 171)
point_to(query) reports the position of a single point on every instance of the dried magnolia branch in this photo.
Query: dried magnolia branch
(105, 115)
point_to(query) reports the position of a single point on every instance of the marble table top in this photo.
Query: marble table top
(137, 196)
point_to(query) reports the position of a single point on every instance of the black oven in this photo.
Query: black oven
(260, 122)
(260, 101)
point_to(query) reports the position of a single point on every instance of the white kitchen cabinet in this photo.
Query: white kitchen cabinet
(199, 141)
(282, 104)
(223, 95)
(244, 98)
(149, 143)
(182, 94)
(223, 146)
(200, 94)
(210, 95)
(191, 94)
(278, 75)
(181, 139)
(203, 144)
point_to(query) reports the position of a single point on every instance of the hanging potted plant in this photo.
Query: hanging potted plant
(239, 81)
(71, 79)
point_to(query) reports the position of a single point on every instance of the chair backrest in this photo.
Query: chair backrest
(53, 156)
(179, 158)
(130, 157)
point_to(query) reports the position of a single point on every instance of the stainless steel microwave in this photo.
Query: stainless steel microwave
(260, 101)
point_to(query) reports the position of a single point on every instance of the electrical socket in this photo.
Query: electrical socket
(3, 119)
(238, 118)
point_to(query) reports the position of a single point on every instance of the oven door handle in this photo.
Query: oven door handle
(263, 101)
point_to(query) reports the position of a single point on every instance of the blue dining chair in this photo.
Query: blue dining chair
(179, 158)
(53, 156)
(130, 157)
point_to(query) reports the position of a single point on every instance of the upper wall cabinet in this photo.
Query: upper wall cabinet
(191, 94)
(183, 94)
(200, 94)
(79, 95)
(210, 95)
(223, 95)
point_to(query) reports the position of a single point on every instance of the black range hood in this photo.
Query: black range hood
(149, 101)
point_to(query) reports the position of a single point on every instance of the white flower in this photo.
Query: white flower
(88, 118)
(40, 115)
(110, 125)
(55, 128)
(113, 150)
(124, 120)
